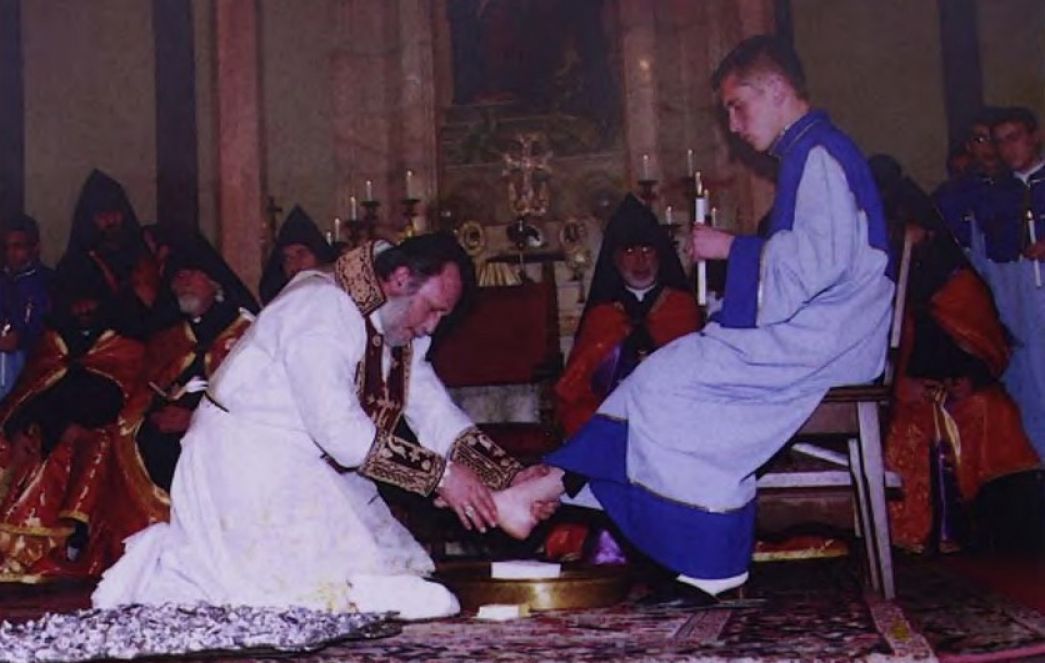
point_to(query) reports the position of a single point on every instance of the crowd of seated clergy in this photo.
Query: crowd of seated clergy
(104, 360)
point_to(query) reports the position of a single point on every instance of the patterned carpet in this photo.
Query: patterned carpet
(813, 610)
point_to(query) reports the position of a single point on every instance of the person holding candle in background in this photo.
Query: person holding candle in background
(1012, 218)
(25, 297)
(671, 454)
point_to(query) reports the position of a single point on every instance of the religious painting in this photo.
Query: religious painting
(532, 65)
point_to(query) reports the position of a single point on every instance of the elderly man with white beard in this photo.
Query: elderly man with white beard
(274, 501)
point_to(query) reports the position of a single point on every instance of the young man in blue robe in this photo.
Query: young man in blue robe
(1015, 206)
(671, 454)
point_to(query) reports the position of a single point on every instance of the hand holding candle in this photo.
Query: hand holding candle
(1032, 234)
(700, 211)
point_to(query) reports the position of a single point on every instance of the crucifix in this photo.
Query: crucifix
(528, 171)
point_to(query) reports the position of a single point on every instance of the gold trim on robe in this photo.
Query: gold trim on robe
(403, 464)
(492, 464)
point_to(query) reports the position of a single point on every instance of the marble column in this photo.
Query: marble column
(384, 104)
(364, 100)
(638, 47)
(417, 102)
(242, 233)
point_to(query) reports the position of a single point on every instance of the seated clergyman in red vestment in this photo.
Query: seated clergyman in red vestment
(106, 235)
(214, 310)
(56, 427)
(954, 428)
(639, 300)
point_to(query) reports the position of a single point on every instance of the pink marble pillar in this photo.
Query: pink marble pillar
(638, 46)
(417, 98)
(242, 232)
(384, 103)
(364, 99)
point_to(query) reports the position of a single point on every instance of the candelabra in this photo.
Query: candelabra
(409, 205)
(646, 191)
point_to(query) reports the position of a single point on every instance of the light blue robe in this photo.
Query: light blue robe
(703, 413)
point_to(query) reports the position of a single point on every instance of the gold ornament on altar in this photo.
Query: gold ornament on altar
(527, 172)
(573, 237)
(472, 237)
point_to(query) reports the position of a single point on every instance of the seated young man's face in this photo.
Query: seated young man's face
(85, 312)
(19, 250)
(297, 258)
(638, 265)
(1017, 145)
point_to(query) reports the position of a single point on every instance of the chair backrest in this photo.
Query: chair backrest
(509, 336)
(899, 306)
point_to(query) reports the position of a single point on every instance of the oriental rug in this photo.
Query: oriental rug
(813, 610)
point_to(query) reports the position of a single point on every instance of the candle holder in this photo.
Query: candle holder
(361, 230)
(646, 192)
(409, 205)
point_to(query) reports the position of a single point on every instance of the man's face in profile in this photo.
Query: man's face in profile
(417, 311)
(753, 105)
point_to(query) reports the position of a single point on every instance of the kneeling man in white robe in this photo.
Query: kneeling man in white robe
(273, 501)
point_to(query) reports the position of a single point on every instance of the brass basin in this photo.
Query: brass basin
(577, 587)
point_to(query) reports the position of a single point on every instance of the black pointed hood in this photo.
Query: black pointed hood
(297, 228)
(193, 251)
(632, 224)
(102, 193)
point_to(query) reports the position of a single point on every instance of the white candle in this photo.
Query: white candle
(700, 212)
(645, 166)
(409, 184)
(700, 209)
(689, 162)
(714, 217)
(353, 210)
(668, 216)
(1033, 233)
(337, 229)
(369, 186)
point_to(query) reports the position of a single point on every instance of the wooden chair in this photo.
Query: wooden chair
(854, 411)
(508, 338)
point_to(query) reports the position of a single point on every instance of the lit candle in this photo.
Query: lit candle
(353, 210)
(330, 237)
(689, 161)
(714, 217)
(700, 211)
(337, 229)
(369, 186)
(1033, 233)
(645, 166)
(409, 184)
(668, 216)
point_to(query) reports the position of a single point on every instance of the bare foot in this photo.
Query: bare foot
(515, 512)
